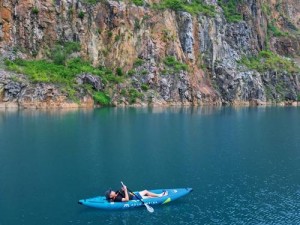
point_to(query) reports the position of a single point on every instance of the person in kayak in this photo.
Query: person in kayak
(124, 196)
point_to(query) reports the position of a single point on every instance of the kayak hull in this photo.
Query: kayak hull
(100, 202)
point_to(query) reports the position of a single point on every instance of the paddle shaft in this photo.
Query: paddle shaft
(133, 193)
(149, 208)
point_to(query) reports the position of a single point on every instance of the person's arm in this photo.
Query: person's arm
(126, 199)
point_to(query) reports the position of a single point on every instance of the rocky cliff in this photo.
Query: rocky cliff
(164, 52)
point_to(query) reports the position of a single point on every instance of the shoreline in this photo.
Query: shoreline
(89, 105)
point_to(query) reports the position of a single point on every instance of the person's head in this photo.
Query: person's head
(110, 195)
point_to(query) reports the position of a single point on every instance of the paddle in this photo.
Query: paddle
(149, 208)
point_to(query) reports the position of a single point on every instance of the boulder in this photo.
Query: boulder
(94, 81)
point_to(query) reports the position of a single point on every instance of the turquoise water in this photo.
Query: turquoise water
(243, 164)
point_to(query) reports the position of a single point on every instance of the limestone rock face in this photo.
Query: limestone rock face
(116, 34)
(186, 31)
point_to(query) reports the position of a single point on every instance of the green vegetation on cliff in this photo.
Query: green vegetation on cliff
(267, 60)
(101, 98)
(50, 72)
(62, 67)
(230, 8)
(276, 31)
(138, 2)
(195, 7)
(62, 50)
(173, 65)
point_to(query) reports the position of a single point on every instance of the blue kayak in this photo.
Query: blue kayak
(100, 202)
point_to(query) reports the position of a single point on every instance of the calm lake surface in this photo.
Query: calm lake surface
(243, 164)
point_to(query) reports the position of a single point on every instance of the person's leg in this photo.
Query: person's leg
(151, 194)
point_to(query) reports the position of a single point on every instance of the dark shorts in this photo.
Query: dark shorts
(137, 196)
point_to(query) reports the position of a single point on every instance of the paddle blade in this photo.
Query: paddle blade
(149, 208)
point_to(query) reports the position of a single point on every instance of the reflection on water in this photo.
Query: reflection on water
(197, 110)
(11, 112)
(190, 110)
